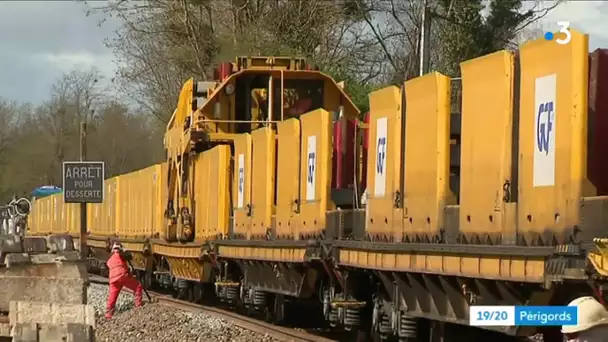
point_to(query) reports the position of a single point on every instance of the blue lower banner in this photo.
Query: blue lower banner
(546, 315)
(523, 315)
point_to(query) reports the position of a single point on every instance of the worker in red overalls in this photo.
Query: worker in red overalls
(119, 277)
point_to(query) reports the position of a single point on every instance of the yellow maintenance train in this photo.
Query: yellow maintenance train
(275, 193)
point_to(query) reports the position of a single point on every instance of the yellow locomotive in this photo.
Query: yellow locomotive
(274, 192)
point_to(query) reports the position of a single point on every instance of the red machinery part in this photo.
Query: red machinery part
(223, 70)
(364, 153)
(343, 161)
(597, 132)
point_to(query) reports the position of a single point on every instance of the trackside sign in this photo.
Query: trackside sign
(83, 182)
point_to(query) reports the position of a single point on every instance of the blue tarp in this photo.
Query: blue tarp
(45, 191)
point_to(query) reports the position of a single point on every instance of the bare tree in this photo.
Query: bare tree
(460, 30)
(8, 119)
(162, 43)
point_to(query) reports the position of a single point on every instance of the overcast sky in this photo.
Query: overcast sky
(40, 40)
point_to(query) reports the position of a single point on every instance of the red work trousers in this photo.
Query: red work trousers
(128, 282)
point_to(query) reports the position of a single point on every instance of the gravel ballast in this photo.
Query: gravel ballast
(158, 322)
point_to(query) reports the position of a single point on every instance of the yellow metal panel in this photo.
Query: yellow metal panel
(190, 269)
(315, 172)
(241, 184)
(288, 178)
(139, 202)
(211, 196)
(552, 138)
(57, 213)
(220, 183)
(191, 250)
(506, 268)
(123, 197)
(202, 181)
(427, 155)
(184, 261)
(60, 218)
(33, 219)
(72, 223)
(39, 221)
(263, 172)
(53, 210)
(48, 215)
(103, 216)
(93, 214)
(384, 163)
(261, 253)
(111, 210)
(599, 256)
(486, 153)
(161, 190)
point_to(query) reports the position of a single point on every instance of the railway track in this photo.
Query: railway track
(245, 322)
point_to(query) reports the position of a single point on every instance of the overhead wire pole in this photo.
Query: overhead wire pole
(83, 206)
(425, 35)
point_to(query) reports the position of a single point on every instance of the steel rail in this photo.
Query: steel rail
(245, 322)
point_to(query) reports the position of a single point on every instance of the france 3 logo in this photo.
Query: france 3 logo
(564, 27)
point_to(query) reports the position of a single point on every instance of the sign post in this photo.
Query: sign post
(83, 183)
(84, 251)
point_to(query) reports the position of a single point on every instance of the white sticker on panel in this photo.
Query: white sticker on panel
(241, 182)
(380, 167)
(544, 131)
(311, 177)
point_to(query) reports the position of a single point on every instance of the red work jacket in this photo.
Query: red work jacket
(118, 267)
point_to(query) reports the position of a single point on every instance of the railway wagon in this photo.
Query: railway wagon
(517, 231)
(50, 215)
(418, 243)
(58, 221)
(102, 219)
(131, 212)
(521, 230)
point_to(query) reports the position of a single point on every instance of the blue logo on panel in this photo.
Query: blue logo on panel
(311, 166)
(241, 179)
(381, 155)
(545, 125)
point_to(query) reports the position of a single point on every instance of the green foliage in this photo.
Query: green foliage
(35, 140)
(503, 21)
(357, 91)
(162, 43)
(466, 34)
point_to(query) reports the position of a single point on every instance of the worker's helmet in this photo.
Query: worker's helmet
(117, 246)
(591, 313)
